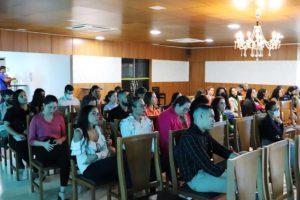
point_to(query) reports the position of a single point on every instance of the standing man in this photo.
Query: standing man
(4, 79)
(68, 99)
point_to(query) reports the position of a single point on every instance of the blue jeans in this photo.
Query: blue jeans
(204, 182)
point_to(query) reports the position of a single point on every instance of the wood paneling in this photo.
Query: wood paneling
(199, 56)
(13, 41)
(80, 93)
(170, 87)
(39, 43)
(61, 45)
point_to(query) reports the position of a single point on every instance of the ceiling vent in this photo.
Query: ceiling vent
(90, 28)
(185, 40)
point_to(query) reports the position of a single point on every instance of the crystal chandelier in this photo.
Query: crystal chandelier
(256, 41)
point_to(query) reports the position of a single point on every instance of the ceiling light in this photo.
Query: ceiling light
(233, 26)
(157, 7)
(77, 41)
(100, 38)
(209, 40)
(155, 32)
(275, 4)
(241, 4)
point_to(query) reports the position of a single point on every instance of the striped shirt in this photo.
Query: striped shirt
(194, 152)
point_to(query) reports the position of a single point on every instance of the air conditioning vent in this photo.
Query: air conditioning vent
(90, 28)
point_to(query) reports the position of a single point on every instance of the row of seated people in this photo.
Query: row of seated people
(47, 131)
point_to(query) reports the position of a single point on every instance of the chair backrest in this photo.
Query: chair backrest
(156, 90)
(297, 164)
(30, 154)
(174, 137)
(154, 122)
(138, 150)
(298, 111)
(114, 128)
(286, 113)
(244, 174)
(65, 111)
(220, 133)
(240, 103)
(276, 166)
(243, 132)
(256, 134)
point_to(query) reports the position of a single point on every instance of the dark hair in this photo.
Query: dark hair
(219, 90)
(49, 99)
(261, 93)
(118, 88)
(132, 101)
(249, 92)
(214, 105)
(16, 94)
(196, 107)
(69, 88)
(2, 67)
(141, 91)
(224, 95)
(83, 121)
(199, 92)
(290, 89)
(38, 98)
(275, 93)
(231, 95)
(7, 92)
(109, 94)
(86, 100)
(173, 98)
(148, 97)
(200, 100)
(270, 104)
(181, 101)
(93, 88)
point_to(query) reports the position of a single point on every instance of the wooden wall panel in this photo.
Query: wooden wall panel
(39, 43)
(199, 56)
(61, 45)
(14, 41)
(80, 93)
(170, 87)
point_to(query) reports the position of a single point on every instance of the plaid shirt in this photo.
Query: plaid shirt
(194, 152)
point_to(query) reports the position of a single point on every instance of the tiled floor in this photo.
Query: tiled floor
(10, 189)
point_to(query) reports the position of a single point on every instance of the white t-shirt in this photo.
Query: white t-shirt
(81, 149)
(63, 101)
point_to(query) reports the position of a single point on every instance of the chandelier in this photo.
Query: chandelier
(256, 41)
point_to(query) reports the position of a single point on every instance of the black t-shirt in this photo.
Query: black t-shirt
(117, 113)
(17, 119)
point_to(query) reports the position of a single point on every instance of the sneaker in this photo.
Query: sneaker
(62, 196)
(23, 174)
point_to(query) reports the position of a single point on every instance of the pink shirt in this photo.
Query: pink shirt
(169, 120)
(41, 130)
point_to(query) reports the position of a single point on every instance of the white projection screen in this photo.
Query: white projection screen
(95, 69)
(170, 71)
(253, 72)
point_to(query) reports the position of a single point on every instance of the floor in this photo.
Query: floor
(11, 189)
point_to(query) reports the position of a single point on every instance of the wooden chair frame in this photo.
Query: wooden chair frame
(256, 134)
(286, 112)
(297, 164)
(240, 136)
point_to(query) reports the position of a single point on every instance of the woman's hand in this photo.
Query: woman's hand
(48, 146)
(91, 158)
(59, 141)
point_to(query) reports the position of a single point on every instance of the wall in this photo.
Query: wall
(42, 43)
(199, 56)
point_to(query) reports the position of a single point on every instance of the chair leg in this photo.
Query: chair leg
(31, 178)
(41, 184)
(93, 193)
(17, 167)
(5, 157)
(108, 193)
(10, 161)
(74, 190)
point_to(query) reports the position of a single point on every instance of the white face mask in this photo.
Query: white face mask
(69, 96)
(276, 113)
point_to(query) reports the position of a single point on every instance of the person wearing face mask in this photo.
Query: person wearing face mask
(68, 99)
(271, 127)
(195, 150)
(4, 106)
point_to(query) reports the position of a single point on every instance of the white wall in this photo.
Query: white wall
(253, 72)
(48, 71)
(96, 69)
(170, 71)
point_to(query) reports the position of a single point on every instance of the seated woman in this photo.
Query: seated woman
(175, 95)
(94, 155)
(151, 104)
(262, 98)
(47, 135)
(233, 100)
(136, 123)
(37, 100)
(15, 124)
(249, 106)
(210, 94)
(111, 99)
(221, 91)
(277, 94)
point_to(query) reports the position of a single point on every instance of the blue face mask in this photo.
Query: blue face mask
(276, 113)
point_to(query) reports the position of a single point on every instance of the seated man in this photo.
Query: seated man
(121, 111)
(68, 99)
(194, 154)
(4, 106)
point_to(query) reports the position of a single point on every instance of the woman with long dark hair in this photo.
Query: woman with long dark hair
(93, 153)
(37, 100)
(249, 106)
